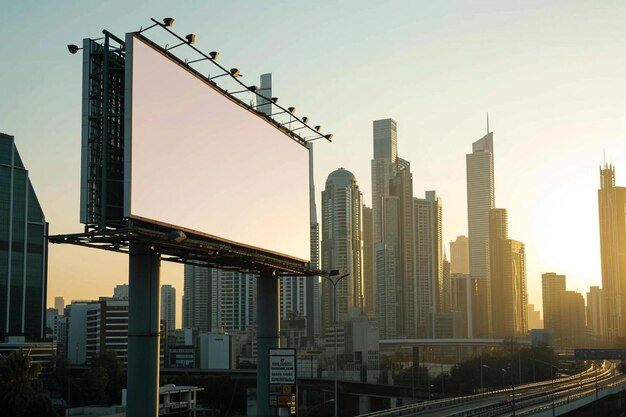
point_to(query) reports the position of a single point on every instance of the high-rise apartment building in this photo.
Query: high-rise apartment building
(596, 312)
(215, 300)
(312, 286)
(612, 213)
(553, 293)
(447, 285)
(368, 261)
(534, 318)
(429, 262)
(168, 308)
(96, 326)
(461, 299)
(23, 249)
(507, 280)
(197, 297)
(573, 320)
(459, 255)
(342, 245)
(480, 200)
(121, 292)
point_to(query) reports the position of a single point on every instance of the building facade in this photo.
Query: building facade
(612, 213)
(168, 308)
(480, 200)
(429, 262)
(341, 245)
(459, 255)
(23, 249)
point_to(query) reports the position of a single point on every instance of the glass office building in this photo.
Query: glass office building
(23, 249)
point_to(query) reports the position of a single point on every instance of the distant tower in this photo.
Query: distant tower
(59, 305)
(480, 200)
(596, 312)
(168, 307)
(507, 279)
(23, 249)
(553, 293)
(459, 256)
(368, 261)
(612, 211)
(429, 262)
(121, 292)
(341, 244)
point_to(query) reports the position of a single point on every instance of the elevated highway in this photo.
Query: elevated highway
(547, 398)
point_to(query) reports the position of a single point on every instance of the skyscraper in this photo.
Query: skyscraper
(197, 297)
(612, 213)
(480, 200)
(368, 261)
(214, 299)
(429, 262)
(59, 305)
(459, 256)
(553, 293)
(168, 308)
(23, 249)
(507, 279)
(596, 312)
(341, 244)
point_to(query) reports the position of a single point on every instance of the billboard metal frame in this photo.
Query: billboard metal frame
(104, 165)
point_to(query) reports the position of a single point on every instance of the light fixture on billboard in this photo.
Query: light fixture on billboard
(291, 110)
(189, 39)
(176, 236)
(273, 100)
(329, 136)
(212, 56)
(317, 128)
(168, 22)
(73, 49)
(252, 89)
(305, 119)
(234, 72)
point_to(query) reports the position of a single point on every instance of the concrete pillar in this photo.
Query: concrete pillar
(268, 336)
(365, 404)
(143, 332)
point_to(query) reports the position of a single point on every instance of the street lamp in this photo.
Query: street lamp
(333, 277)
(553, 370)
(505, 372)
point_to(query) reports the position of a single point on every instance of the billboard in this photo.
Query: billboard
(197, 159)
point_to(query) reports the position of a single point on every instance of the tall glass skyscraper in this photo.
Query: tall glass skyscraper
(23, 249)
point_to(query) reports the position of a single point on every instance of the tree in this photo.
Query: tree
(114, 372)
(18, 382)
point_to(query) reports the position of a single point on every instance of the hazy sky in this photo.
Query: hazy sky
(550, 74)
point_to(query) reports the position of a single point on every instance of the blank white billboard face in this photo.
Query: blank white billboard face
(202, 162)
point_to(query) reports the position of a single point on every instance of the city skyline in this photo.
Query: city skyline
(558, 106)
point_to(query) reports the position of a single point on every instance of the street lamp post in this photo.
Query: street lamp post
(505, 372)
(553, 370)
(334, 279)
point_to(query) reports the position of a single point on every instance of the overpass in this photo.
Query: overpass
(547, 398)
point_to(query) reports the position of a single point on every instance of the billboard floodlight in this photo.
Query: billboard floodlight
(329, 136)
(251, 89)
(189, 40)
(291, 110)
(234, 72)
(273, 100)
(317, 128)
(168, 22)
(73, 49)
(176, 236)
(305, 119)
(213, 55)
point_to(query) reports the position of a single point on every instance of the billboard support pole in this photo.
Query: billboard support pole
(267, 334)
(143, 332)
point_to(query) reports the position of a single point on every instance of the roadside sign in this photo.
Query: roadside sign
(282, 379)
(599, 354)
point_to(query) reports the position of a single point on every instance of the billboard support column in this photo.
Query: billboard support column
(267, 335)
(143, 332)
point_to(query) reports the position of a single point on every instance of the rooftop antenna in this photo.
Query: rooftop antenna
(487, 122)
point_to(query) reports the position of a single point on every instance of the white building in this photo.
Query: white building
(216, 351)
